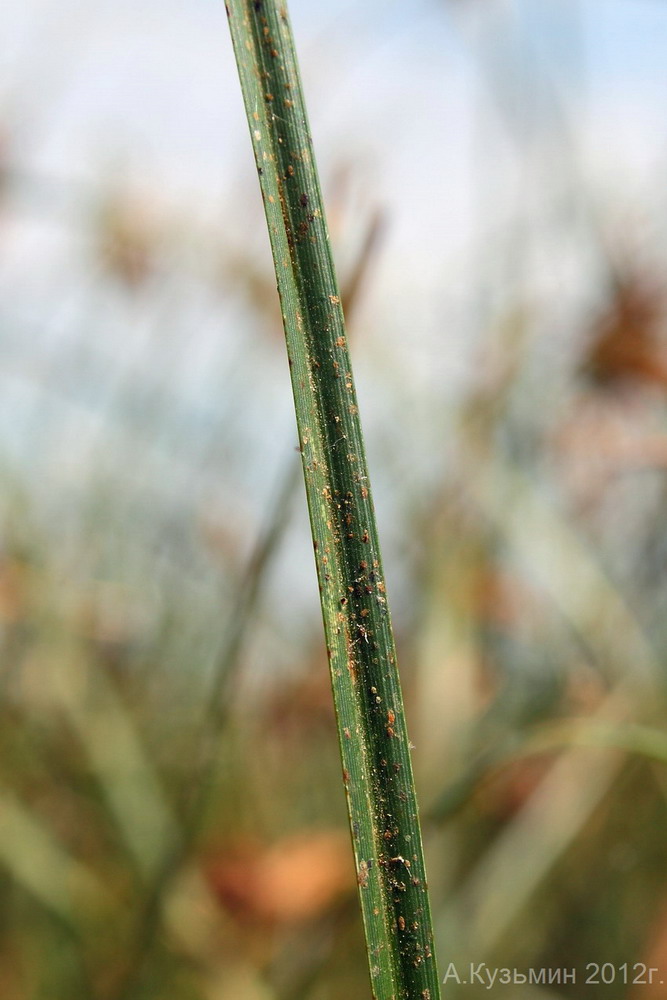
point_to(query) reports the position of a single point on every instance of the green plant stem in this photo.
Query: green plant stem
(374, 745)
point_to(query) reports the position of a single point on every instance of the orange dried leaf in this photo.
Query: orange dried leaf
(294, 880)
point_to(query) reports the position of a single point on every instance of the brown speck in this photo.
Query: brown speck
(268, 97)
(401, 923)
(303, 200)
(288, 103)
(362, 874)
(346, 776)
(391, 718)
(348, 734)
(290, 170)
(364, 537)
(334, 300)
(340, 342)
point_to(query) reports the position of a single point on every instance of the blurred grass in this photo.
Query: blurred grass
(135, 559)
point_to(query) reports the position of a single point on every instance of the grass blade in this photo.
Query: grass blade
(374, 745)
(38, 862)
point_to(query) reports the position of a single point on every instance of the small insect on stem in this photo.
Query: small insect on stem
(363, 633)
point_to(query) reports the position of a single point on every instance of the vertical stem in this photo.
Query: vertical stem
(377, 771)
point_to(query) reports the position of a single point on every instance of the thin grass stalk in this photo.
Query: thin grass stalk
(374, 745)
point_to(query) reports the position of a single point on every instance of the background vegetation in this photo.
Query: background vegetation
(172, 820)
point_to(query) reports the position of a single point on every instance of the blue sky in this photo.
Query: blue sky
(432, 107)
(436, 98)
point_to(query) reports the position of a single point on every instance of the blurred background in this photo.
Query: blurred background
(172, 822)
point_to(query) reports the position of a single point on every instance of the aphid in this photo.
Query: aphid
(398, 860)
(363, 634)
(362, 873)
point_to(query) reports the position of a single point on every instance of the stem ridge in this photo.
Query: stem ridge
(375, 751)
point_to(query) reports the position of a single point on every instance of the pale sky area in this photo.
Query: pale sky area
(464, 121)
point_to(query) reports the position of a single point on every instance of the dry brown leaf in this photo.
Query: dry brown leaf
(506, 792)
(295, 880)
(625, 345)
